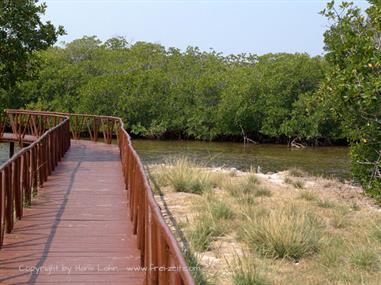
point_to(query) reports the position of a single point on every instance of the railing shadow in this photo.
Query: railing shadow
(53, 231)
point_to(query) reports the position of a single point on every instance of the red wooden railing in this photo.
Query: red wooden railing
(21, 175)
(161, 255)
(158, 246)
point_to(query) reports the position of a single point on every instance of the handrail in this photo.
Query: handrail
(158, 246)
(81, 123)
(160, 252)
(29, 168)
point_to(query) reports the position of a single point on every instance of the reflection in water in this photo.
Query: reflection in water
(4, 152)
(327, 161)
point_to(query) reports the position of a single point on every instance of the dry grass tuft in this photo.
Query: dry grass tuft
(297, 172)
(204, 231)
(299, 184)
(291, 232)
(326, 203)
(185, 175)
(307, 195)
(364, 258)
(221, 211)
(245, 271)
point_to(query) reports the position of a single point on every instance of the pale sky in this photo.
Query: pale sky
(252, 26)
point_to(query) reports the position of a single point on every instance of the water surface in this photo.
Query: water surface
(4, 152)
(327, 161)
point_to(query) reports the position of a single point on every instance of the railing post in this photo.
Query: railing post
(135, 199)
(48, 158)
(45, 160)
(173, 276)
(34, 170)
(153, 260)
(9, 198)
(40, 164)
(17, 188)
(2, 207)
(147, 241)
(142, 222)
(27, 177)
(162, 252)
(131, 187)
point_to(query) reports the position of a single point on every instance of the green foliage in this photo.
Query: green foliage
(168, 93)
(353, 83)
(366, 166)
(185, 94)
(22, 33)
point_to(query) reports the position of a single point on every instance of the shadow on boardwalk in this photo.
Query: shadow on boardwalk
(78, 229)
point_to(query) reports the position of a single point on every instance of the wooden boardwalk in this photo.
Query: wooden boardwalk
(78, 229)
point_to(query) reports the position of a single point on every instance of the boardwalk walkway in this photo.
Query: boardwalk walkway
(78, 222)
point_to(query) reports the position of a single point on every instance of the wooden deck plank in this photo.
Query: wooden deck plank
(80, 221)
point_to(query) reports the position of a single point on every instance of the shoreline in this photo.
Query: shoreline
(334, 184)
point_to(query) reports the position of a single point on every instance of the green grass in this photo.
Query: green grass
(291, 233)
(331, 254)
(246, 186)
(377, 233)
(185, 175)
(204, 231)
(221, 211)
(245, 271)
(366, 259)
(217, 179)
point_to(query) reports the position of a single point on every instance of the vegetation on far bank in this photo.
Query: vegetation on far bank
(166, 92)
(283, 228)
